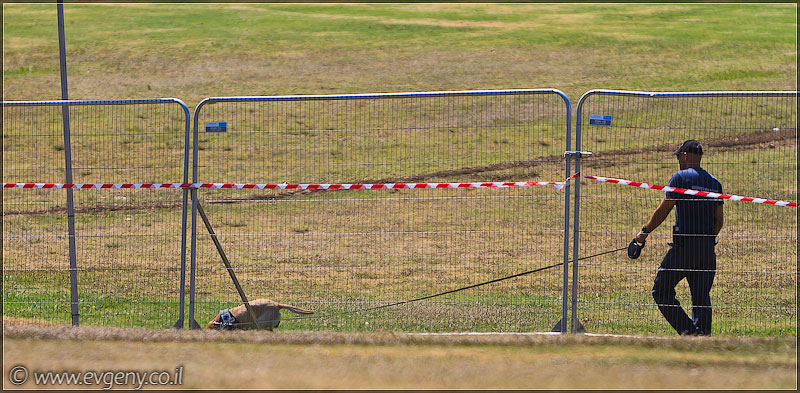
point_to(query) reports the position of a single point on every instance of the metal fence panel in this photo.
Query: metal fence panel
(129, 242)
(340, 252)
(750, 145)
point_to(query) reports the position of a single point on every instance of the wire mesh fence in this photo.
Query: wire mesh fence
(344, 252)
(128, 242)
(749, 143)
(341, 252)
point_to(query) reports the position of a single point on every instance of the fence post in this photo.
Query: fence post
(73, 265)
(565, 278)
(576, 326)
(182, 284)
(193, 256)
(561, 327)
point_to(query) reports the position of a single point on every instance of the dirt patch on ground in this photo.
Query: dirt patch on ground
(443, 174)
(720, 144)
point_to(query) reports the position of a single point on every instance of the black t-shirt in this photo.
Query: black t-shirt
(695, 214)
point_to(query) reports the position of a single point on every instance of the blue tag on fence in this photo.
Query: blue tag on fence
(216, 126)
(600, 120)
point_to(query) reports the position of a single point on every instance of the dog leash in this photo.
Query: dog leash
(463, 288)
(491, 281)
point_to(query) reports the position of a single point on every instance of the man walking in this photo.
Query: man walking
(698, 220)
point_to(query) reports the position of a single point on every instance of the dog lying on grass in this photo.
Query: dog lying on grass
(267, 313)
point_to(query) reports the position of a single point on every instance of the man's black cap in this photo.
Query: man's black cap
(690, 146)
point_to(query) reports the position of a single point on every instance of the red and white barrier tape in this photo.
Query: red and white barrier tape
(286, 186)
(87, 186)
(394, 186)
(691, 192)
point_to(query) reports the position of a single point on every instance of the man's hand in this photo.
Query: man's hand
(641, 237)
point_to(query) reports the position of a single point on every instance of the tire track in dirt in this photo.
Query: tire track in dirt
(720, 144)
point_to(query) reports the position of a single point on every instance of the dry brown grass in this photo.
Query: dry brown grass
(269, 360)
(18, 328)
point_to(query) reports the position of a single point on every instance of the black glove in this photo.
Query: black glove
(634, 249)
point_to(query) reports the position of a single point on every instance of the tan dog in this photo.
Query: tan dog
(267, 312)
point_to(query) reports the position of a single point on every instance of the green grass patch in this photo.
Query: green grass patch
(106, 309)
(255, 49)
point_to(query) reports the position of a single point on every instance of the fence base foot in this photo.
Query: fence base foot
(575, 323)
(193, 325)
(557, 328)
(178, 325)
(577, 326)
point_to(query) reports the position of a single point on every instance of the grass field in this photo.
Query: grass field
(337, 252)
(196, 51)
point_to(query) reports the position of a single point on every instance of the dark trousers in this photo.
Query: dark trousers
(692, 258)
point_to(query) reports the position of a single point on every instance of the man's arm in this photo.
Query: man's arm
(719, 218)
(661, 213)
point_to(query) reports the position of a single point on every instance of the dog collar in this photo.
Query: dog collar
(227, 319)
